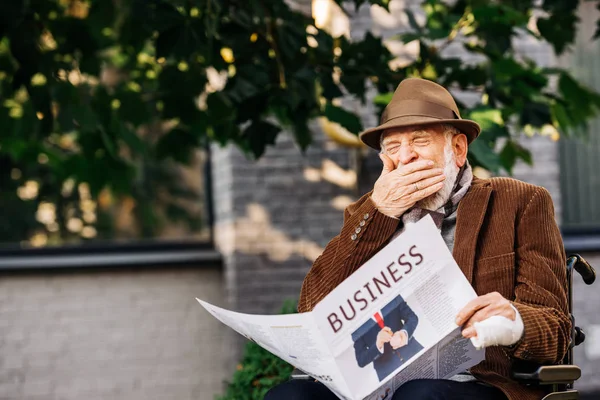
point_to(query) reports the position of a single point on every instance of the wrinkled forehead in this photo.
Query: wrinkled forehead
(410, 132)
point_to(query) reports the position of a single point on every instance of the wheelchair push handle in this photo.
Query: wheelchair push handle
(586, 271)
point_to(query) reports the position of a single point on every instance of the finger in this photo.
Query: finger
(470, 308)
(488, 312)
(469, 332)
(425, 183)
(424, 192)
(388, 164)
(481, 315)
(421, 174)
(415, 166)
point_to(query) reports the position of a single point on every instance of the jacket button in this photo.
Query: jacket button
(362, 223)
(353, 237)
(366, 216)
(357, 230)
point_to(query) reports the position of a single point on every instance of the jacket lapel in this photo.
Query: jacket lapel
(469, 218)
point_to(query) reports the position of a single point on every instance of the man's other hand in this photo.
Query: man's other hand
(383, 337)
(400, 339)
(397, 190)
(482, 308)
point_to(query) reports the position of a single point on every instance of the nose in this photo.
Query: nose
(407, 155)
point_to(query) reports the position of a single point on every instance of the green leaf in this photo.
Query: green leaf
(412, 21)
(329, 87)
(179, 41)
(558, 30)
(302, 133)
(132, 140)
(258, 135)
(572, 90)
(511, 153)
(580, 103)
(220, 108)
(161, 15)
(109, 144)
(486, 117)
(560, 115)
(535, 114)
(597, 34)
(383, 99)
(407, 37)
(345, 118)
(102, 15)
(167, 41)
(177, 144)
(485, 155)
(242, 89)
(133, 109)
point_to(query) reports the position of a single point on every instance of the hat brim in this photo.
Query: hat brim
(371, 137)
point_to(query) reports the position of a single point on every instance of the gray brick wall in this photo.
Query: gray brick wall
(281, 215)
(130, 334)
(271, 222)
(545, 171)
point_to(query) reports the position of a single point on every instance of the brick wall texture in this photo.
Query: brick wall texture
(271, 221)
(131, 334)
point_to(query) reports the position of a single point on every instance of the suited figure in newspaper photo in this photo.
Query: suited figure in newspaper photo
(386, 339)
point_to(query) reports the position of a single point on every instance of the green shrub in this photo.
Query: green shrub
(258, 371)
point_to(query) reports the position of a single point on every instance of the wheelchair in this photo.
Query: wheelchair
(558, 378)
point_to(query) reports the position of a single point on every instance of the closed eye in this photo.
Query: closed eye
(421, 142)
(392, 149)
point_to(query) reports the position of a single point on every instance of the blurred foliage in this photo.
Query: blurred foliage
(258, 371)
(101, 93)
(514, 94)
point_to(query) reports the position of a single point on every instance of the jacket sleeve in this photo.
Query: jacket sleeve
(541, 282)
(410, 318)
(366, 352)
(364, 231)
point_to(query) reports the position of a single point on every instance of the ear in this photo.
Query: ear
(460, 146)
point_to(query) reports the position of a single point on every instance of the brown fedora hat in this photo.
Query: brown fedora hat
(420, 102)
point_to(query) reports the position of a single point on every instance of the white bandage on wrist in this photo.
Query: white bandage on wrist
(498, 331)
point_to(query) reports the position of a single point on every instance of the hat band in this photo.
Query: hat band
(405, 108)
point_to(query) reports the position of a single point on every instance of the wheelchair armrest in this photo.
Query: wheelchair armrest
(586, 271)
(549, 375)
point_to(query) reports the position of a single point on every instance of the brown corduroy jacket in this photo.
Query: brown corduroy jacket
(506, 240)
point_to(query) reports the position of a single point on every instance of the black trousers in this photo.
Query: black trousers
(419, 389)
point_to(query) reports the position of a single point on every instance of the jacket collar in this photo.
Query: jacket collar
(469, 219)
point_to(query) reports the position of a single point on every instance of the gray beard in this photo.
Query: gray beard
(437, 200)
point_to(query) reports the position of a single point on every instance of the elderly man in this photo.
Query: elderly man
(501, 232)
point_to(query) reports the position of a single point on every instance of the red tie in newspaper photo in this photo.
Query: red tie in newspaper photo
(379, 319)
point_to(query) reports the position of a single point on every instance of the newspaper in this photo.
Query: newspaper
(412, 287)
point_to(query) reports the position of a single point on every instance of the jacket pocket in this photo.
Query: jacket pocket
(495, 274)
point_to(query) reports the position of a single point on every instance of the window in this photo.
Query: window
(579, 155)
